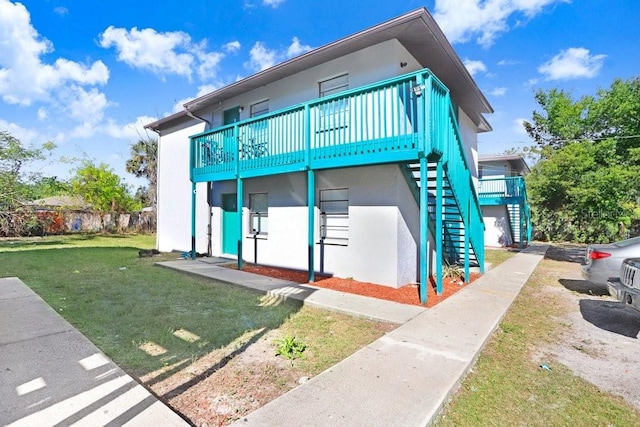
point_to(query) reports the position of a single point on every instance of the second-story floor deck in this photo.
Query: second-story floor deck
(391, 121)
(502, 191)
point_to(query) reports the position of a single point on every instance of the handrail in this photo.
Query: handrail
(382, 122)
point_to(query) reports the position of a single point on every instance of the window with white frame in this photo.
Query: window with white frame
(259, 108)
(259, 214)
(334, 114)
(334, 216)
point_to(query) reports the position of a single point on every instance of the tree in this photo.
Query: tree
(143, 164)
(99, 186)
(14, 156)
(586, 186)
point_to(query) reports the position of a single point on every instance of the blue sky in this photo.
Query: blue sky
(88, 75)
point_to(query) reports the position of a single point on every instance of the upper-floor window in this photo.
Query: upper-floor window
(334, 85)
(259, 108)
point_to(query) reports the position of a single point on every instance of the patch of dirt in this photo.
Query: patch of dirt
(228, 383)
(408, 294)
(600, 342)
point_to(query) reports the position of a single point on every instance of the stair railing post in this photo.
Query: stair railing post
(424, 230)
(439, 236)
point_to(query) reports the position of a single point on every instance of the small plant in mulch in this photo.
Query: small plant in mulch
(453, 272)
(290, 347)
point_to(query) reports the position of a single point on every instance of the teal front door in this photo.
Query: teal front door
(230, 231)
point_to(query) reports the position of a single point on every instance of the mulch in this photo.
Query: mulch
(408, 294)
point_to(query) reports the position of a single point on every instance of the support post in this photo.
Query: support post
(240, 231)
(311, 201)
(424, 230)
(193, 220)
(438, 237)
(467, 246)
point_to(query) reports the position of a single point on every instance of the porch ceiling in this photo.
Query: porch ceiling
(417, 31)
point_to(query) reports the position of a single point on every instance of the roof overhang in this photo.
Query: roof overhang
(517, 162)
(417, 31)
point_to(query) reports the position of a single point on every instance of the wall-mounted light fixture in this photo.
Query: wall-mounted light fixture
(417, 89)
(403, 64)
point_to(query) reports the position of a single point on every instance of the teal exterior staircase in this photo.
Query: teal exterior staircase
(510, 192)
(407, 120)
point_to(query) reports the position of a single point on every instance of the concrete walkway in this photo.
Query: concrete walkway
(403, 378)
(50, 374)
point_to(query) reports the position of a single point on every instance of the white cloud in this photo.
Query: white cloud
(43, 114)
(160, 53)
(232, 47)
(130, 131)
(26, 136)
(474, 66)
(485, 20)
(272, 3)
(296, 48)
(572, 63)
(60, 10)
(262, 57)
(506, 62)
(498, 91)
(24, 78)
(518, 126)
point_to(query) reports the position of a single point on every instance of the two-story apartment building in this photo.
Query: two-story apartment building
(503, 197)
(355, 159)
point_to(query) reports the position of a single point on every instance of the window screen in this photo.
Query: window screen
(334, 216)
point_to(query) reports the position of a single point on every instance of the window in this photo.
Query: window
(334, 216)
(334, 114)
(259, 108)
(334, 85)
(258, 216)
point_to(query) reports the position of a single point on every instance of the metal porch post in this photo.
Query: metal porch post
(424, 230)
(467, 230)
(438, 237)
(240, 231)
(193, 220)
(311, 200)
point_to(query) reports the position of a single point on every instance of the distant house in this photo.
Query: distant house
(356, 159)
(503, 197)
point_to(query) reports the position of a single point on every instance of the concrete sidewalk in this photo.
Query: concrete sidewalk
(355, 305)
(403, 378)
(50, 374)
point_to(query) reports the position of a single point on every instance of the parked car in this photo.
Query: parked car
(603, 261)
(626, 288)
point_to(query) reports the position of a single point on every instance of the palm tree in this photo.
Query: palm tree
(143, 164)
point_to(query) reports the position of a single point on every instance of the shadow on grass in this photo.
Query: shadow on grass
(611, 316)
(121, 301)
(567, 253)
(584, 287)
(45, 241)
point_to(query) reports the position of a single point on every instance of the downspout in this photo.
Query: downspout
(209, 224)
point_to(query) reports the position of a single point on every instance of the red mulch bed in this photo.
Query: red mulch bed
(409, 294)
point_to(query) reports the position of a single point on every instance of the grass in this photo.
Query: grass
(122, 302)
(508, 385)
(498, 256)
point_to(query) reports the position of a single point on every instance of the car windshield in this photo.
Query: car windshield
(628, 242)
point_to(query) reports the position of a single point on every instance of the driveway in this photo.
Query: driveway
(601, 342)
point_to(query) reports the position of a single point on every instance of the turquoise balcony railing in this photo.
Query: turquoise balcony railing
(398, 120)
(501, 191)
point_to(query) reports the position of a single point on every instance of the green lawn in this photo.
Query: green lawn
(120, 302)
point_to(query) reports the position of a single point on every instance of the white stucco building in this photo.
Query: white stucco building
(503, 198)
(356, 159)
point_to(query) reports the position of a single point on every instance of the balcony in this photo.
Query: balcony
(502, 191)
(380, 123)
